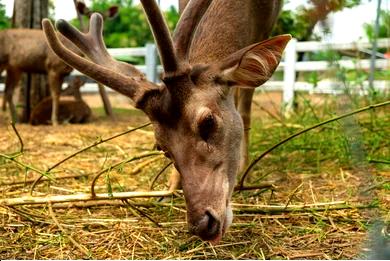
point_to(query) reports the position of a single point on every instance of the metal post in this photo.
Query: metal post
(289, 74)
(151, 62)
(374, 46)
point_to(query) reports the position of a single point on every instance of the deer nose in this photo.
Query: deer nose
(208, 227)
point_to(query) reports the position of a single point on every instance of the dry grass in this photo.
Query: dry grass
(113, 229)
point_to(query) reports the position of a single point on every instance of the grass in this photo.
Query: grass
(346, 143)
(336, 162)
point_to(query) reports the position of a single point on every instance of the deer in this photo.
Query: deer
(73, 110)
(26, 51)
(217, 47)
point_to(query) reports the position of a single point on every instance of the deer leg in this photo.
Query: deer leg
(244, 106)
(11, 82)
(105, 100)
(55, 83)
(174, 180)
(4, 105)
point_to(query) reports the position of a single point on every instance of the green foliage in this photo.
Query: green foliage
(346, 144)
(130, 27)
(301, 21)
(5, 22)
(384, 26)
(51, 10)
(292, 22)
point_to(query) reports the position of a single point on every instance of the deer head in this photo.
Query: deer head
(110, 13)
(192, 110)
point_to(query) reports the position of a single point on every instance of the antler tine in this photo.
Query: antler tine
(96, 33)
(187, 25)
(161, 35)
(94, 38)
(125, 85)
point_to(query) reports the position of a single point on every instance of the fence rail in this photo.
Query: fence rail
(290, 66)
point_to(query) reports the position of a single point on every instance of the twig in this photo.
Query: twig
(29, 200)
(21, 149)
(74, 242)
(264, 185)
(292, 194)
(96, 144)
(141, 212)
(25, 215)
(380, 184)
(84, 149)
(159, 174)
(255, 161)
(270, 209)
(305, 255)
(27, 181)
(223, 245)
(142, 165)
(379, 161)
(119, 164)
(28, 167)
(275, 117)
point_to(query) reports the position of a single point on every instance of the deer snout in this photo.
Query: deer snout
(208, 227)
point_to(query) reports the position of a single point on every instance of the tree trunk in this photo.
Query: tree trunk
(29, 14)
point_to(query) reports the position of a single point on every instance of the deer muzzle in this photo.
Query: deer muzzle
(210, 226)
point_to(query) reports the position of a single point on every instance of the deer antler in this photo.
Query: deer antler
(92, 44)
(187, 25)
(116, 78)
(161, 35)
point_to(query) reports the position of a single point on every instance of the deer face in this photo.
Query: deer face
(202, 131)
(192, 111)
(202, 137)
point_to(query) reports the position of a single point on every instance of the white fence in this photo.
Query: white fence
(289, 66)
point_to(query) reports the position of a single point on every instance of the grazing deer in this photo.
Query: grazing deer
(214, 49)
(73, 110)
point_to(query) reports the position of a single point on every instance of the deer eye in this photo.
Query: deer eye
(207, 126)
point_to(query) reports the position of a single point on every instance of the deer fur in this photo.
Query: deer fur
(217, 46)
(26, 51)
(73, 110)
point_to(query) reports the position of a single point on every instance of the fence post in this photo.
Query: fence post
(151, 62)
(289, 74)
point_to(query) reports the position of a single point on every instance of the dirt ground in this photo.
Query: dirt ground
(301, 217)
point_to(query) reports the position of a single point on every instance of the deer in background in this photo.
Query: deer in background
(110, 13)
(215, 49)
(26, 51)
(73, 110)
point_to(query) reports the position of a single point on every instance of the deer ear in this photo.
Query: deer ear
(82, 8)
(112, 12)
(255, 64)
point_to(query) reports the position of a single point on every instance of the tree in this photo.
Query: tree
(301, 22)
(384, 26)
(130, 28)
(5, 22)
(29, 14)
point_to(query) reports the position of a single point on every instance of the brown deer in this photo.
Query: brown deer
(73, 110)
(214, 49)
(26, 51)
